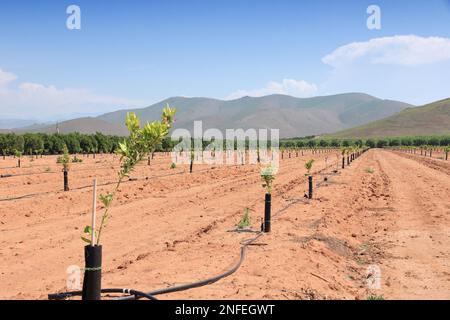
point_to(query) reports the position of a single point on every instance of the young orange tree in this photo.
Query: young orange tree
(141, 142)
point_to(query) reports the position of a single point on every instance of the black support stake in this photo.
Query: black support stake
(92, 283)
(310, 191)
(267, 212)
(343, 162)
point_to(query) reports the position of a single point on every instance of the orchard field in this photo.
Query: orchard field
(389, 209)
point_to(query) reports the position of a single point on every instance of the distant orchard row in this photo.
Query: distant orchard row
(41, 143)
(417, 141)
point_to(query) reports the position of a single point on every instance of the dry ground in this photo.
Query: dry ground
(387, 210)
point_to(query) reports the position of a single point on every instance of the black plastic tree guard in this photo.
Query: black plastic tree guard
(66, 180)
(92, 283)
(310, 191)
(267, 212)
(343, 162)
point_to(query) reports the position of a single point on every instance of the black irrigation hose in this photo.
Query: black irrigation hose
(201, 283)
(212, 280)
(54, 172)
(134, 293)
(25, 174)
(99, 185)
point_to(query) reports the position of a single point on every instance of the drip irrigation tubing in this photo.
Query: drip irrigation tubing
(102, 166)
(132, 179)
(244, 246)
(134, 295)
(206, 282)
(101, 185)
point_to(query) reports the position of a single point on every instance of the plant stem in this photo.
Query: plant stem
(105, 214)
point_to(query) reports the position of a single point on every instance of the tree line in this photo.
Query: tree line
(53, 144)
(47, 144)
(311, 142)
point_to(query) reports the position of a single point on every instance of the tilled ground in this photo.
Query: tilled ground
(386, 212)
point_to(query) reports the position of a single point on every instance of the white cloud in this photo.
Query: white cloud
(6, 77)
(37, 101)
(296, 88)
(405, 50)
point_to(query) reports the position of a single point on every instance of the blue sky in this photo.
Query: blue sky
(135, 53)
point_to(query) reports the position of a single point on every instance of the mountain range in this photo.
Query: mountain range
(295, 117)
(428, 120)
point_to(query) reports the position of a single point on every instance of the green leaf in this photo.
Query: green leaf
(86, 240)
(88, 230)
(106, 199)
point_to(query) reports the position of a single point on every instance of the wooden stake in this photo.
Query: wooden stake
(94, 211)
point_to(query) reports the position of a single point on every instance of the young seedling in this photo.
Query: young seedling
(446, 150)
(173, 165)
(245, 221)
(141, 142)
(65, 161)
(267, 177)
(308, 166)
(18, 155)
(370, 170)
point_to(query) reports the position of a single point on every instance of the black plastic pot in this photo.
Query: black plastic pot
(92, 283)
(267, 212)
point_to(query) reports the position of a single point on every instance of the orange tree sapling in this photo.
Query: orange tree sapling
(141, 142)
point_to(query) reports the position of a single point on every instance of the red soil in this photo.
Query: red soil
(172, 228)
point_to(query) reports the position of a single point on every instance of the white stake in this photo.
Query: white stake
(94, 210)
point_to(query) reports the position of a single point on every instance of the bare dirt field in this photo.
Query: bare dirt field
(387, 211)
